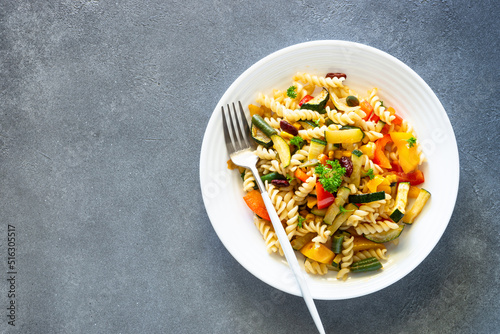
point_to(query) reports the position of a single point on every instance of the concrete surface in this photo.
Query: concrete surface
(103, 107)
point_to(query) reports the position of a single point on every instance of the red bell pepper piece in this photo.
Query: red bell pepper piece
(380, 158)
(299, 174)
(415, 178)
(398, 120)
(325, 198)
(256, 204)
(396, 167)
(305, 99)
(367, 108)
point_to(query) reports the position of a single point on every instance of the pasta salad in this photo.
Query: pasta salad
(342, 170)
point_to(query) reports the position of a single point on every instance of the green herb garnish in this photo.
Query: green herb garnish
(297, 141)
(330, 178)
(342, 209)
(411, 142)
(292, 92)
(301, 220)
(370, 174)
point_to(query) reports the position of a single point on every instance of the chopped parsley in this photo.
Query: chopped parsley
(370, 174)
(330, 178)
(342, 209)
(297, 141)
(381, 103)
(411, 142)
(301, 220)
(317, 122)
(292, 92)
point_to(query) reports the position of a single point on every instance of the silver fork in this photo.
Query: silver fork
(240, 147)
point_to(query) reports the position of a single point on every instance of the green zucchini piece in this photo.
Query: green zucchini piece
(299, 242)
(334, 208)
(318, 103)
(272, 176)
(308, 124)
(366, 198)
(260, 137)
(341, 104)
(263, 126)
(347, 136)
(355, 177)
(385, 236)
(281, 146)
(369, 264)
(422, 198)
(401, 200)
(318, 212)
(309, 163)
(316, 148)
(341, 218)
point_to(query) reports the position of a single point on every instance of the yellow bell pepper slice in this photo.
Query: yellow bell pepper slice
(368, 149)
(408, 154)
(378, 183)
(318, 252)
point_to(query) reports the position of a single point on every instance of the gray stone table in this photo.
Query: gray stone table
(103, 107)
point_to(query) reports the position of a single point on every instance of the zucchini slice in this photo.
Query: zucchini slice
(310, 163)
(299, 242)
(318, 212)
(263, 126)
(334, 208)
(422, 198)
(341, 104)
(347, 136)
(281, 146)
(308, 124)
(355, 177)
(385, 236)
(366, 198)
(401, 200)
(317, 147)
(260, 137)
(318, 103)
(341, 218)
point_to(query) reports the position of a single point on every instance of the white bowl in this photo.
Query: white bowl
(400, 87)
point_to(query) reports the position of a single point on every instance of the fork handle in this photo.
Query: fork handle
(289, 252)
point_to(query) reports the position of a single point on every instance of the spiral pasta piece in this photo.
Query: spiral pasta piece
(318, 81)
(264, 153)
(298, 158)
(272, 104)
(368, 164)
(274, 122)
(319, 132)
(248, 180)
(338, 117)
(347, 252)
(378, 253)
(293, 116)
(377, 227)
(315, 268)
(378, 109)
(267, 233)
(316, 227)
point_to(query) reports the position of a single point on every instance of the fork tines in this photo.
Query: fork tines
(236, 130)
